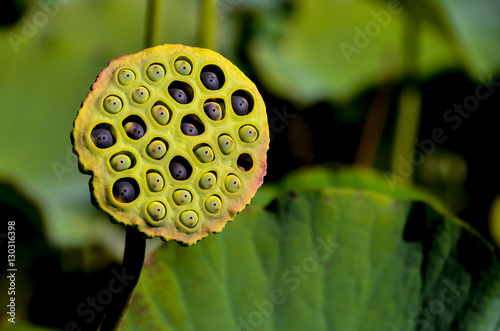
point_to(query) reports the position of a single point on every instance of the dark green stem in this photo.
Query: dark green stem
(133, 260)
(207, 28)
(153, 11)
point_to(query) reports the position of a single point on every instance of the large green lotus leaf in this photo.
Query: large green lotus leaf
(325, 259)
(331, 50)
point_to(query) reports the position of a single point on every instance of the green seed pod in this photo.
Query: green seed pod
(248, 133)
(156, 149)
(213, 204)
(155, 181)
(121, 162)
(140, 94)
(113, 104)
(178, 95)
(161, 89)
(126, 77)
(183, 67)
(205, 154)
(102, 138)
(160, 114)
(226, 144)
(155, 72)
(134, 130)
(182, 197)
(157, 210)
(213, 111)
(232, 184)
(207, 180)
(189, 218)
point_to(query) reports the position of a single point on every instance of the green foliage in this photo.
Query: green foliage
(325, 258)
(330, 50)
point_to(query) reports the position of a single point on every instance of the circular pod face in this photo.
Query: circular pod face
(172, 147)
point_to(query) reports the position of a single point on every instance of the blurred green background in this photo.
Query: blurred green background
(357, 83)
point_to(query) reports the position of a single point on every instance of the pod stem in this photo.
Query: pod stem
(152, 33)
(207, 28)
(409, 106)
(133, 260)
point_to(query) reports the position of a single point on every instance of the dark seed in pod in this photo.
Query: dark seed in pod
(102, 138)
(178, 95)
(240, 105)
(178, 171)
(134, 130)
(189, 129)
(123, 191)
(210, 80)
(212, 109)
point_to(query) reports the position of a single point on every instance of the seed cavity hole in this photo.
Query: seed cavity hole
(242, 102)
(191, 125)
(180, 168)
(244, 162)
(126, 190)
(103, 135)
(212, 77)
(181, 92)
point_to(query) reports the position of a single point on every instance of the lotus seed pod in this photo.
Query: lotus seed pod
(126, 77)
(102, 138)
(183, 67)
(155, 181)
(123, 191)
(213, 204)
(248, 133)
(232, 184)
(178, 171)
(226, 144)
(209, 80)
(157, 211)
(205, 154)
(182, 115)
(240, 105)
(156, 149)
(212, 109)
(160, 114)
(189, 129)
(155, 72)
(121, 162)
(140, 94)
(134, 130)
(182, 197)
(113, 104)
(189, 218)
(207, 181)
(178, 95)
